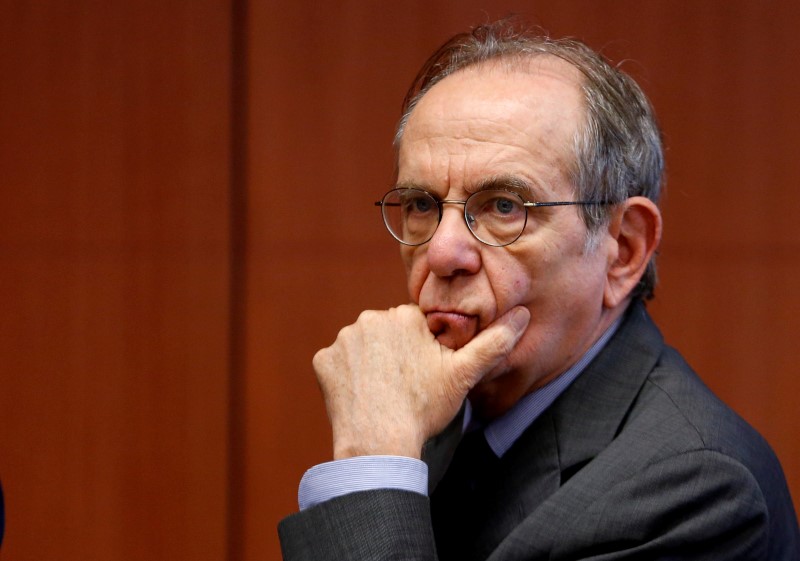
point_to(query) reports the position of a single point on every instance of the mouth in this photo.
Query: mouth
(452, 329)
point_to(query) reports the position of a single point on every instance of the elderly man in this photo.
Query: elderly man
(525, 406)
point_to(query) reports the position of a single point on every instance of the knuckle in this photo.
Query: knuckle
(319, 357)
(367, 316)
(320, 360)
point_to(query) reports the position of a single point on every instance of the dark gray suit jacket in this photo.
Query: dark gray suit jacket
(637, 459)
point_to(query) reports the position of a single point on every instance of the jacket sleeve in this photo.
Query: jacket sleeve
(368, 525)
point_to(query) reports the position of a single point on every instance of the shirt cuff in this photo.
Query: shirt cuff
(361, 473)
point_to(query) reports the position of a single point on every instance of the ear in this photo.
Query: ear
(635, 231)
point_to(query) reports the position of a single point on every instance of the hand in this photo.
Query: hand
(389, 385)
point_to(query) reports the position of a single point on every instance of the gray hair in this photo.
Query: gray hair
(618, 151)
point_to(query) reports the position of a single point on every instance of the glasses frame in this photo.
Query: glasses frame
(441, 202)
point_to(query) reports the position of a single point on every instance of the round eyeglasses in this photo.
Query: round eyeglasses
(495, 217)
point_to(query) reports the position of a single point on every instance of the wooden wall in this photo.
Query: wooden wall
(187, 216)
(114, 282)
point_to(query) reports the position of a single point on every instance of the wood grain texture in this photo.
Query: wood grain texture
(114, 284)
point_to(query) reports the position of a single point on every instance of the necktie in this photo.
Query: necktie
(458, 504)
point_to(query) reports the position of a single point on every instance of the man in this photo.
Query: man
(528, 175)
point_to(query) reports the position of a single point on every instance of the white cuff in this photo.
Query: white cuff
(361, 473)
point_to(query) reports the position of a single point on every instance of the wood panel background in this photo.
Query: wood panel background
(187, 217)
(114, 279)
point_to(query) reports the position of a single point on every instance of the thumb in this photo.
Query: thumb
(492, 345)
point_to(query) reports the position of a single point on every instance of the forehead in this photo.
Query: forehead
(496, 118)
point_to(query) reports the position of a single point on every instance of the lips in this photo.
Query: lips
(452, 329)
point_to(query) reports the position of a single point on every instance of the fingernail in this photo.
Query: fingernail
(520, 318)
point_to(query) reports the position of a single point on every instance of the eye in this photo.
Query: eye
(504, 206)
(497, 205)
(496, 217)
(421, 204)
(417, 203)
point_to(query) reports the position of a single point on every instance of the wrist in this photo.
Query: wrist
(408, 446)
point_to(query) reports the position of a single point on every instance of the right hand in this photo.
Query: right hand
(389, 385)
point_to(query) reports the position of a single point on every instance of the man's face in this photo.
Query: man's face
(493, 125)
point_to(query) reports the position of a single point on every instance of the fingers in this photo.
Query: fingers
(492, 345)
(381, 380)
(389, 384)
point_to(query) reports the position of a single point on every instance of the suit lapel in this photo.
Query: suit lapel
(580, 424)
(577, 427)
(590, 414)
(529, 473)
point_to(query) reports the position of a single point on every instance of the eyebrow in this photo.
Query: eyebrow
(411, 185)
(528, 190)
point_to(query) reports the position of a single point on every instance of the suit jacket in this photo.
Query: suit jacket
(637, 459)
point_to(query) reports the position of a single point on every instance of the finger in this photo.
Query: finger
(491, 345)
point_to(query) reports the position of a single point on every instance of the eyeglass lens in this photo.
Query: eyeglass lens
(495, 217)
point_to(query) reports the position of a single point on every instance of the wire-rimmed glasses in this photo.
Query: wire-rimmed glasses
(496, 217)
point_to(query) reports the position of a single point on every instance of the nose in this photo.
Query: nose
(453, 250)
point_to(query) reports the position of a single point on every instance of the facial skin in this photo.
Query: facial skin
(506, 125)
(487, 323)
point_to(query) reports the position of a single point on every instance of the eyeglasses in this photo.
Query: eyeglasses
(495, 217)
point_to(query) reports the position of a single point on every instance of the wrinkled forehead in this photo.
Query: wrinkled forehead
(539, 89)
(534, 104)
(539, 79)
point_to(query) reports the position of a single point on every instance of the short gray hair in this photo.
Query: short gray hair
(618, 151)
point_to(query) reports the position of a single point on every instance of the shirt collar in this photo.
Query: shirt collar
(502, 432)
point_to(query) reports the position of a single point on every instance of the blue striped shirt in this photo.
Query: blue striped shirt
(363, 473)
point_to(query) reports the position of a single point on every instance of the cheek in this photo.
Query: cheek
(522, 286)
(416, 271)
(511, 285)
